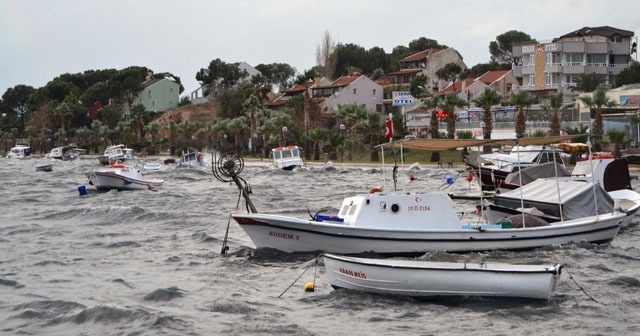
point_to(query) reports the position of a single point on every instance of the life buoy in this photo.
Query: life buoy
(375, 190)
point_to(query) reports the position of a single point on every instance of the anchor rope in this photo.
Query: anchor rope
(300, 276)
(580, 287)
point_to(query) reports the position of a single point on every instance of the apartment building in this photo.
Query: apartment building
(553, 66)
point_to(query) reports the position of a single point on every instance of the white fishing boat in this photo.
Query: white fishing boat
(20, 152)
(427, 279)
(491, 169)
(65, 153)
(114, 154)
(287, 157)
(192, 160)
(121, 177)
(403, 223)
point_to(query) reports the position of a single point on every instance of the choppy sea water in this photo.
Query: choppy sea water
(149, 263)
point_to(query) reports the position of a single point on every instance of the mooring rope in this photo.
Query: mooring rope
(300, 276)
(225, 248)
(580, 287)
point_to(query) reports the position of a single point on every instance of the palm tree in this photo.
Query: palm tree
(619, 140)
(450, 102)
(486, 100)
(598, 100)
(433, 103)
(138, 117)
(587, 82)
(522, 100)
(555, 103)
(318, 135)
(371, 127)
(154, 131)
(64, 113)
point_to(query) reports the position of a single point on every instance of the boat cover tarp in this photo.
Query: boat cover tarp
(530, 174)
(578, 198)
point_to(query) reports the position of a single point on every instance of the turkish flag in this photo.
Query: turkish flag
(388, 134)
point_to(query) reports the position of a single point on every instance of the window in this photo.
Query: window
(532, 80)
(149, 93)
(616, 39)
(596, 59)
(355, 91)
(574, 59)
(548, 79)
(374, 92)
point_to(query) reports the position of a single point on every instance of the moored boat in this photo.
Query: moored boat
(20, 152)
(398, 223)
(286, 158)
(428, 279)
(121, 177)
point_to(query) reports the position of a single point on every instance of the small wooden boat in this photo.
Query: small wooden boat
(426, 279)
(43, 166)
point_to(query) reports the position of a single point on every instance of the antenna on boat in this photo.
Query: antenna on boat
(227, 169)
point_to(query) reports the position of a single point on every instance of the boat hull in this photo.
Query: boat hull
(296, 235)
(426, 279)
(113, 180)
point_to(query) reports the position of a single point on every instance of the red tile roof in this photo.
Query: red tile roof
(492, 76)
(404, 72)
(455, 88)
(340, 82)
(421, 55)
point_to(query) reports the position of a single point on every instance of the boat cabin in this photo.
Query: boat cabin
(409, 211)
(20, 152)
(523, 156)
(287, 157)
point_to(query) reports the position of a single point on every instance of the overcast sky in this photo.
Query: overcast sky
(42, 39)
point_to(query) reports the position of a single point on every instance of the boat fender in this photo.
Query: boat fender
(395, 208)
(309, 287)
(127, 181)
(375, 190)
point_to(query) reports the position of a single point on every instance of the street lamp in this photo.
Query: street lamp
(284, 135)
(342, 127)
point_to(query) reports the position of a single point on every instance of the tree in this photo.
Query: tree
(555, 103)
(450, 102)
(423, 43)
(278, 74)
(522, 100)
(138, 118)
(629, 75)
(587, 82)
(418, 85)
(15, 102)
(449, 72)
(127, 83)
(221, 73)
(598, 101)
(326, 57)
(305, 79)
(619, 140)
(486, 100)
(501, 49)
(348, 57)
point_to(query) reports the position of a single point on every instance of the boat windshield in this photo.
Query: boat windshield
(286, 154)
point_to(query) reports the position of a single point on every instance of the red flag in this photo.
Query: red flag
(388, 130)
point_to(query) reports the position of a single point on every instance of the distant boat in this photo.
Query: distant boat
(20, 152)
(43, 166)
(192, 160)
(287, 158)
(114, 154)
(427, 279)
(65, 153)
